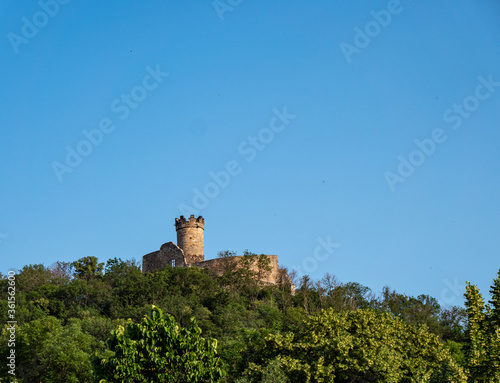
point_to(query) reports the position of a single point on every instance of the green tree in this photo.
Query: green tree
(483, 338)
(47, 351)
(495, 302)
(158, 350)
(452, 322)
(494, 326)
(352, 296)
(423, 309)
(358, 346)
(87, 268)
(272, 373)
(31, 277)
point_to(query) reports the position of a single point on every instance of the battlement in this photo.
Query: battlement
(181, 223)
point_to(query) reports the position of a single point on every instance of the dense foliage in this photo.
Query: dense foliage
(358, 346)
(483, 346)
(85, 321)
(158, 350)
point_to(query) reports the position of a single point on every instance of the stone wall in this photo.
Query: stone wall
(159, 259)
(219, 265)
(170, 251)
(152, 262)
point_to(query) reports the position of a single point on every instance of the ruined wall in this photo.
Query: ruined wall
(159, 259)
(151, 262)
(219, 265)
(170, 251)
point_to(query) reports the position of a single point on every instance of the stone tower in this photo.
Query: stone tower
(190, 238)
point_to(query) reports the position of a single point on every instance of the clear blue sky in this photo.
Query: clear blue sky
(183, 89)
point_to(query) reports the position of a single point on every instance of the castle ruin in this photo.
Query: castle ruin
(190, 252)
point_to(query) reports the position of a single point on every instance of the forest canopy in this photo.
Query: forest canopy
(92, 321)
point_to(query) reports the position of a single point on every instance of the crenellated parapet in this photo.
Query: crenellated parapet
(182, 222)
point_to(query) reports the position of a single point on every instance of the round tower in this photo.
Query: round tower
(190, 238)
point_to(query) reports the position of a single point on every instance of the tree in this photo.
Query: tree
(118, 268)
(476, 322)
(158, 350)
(351, 296)
(62, 272)
(483, 337)
(494, 325)
(87, 268)
(272, 373)
(421, 310)
(358, 346)
(244, 274)
(451, 322)
(31, 277)
(47, 351)
(286, 287)
(495, 301)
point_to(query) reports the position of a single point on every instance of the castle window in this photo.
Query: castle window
(173, 262)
